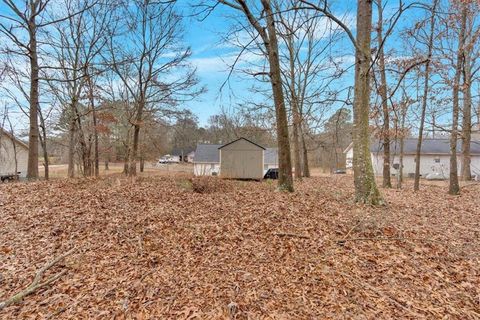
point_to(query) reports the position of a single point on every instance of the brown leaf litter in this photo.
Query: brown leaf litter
(174, 248)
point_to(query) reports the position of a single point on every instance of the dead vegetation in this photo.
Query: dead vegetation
(208, 184)
(154, 248)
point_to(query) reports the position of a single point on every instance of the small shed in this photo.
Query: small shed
(13, 154)
(241, 159)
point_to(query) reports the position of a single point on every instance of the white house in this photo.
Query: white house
(243, 155)
(206, 161)
(435, 156)
(13, 155)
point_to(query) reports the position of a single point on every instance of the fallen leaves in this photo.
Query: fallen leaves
(156, 248)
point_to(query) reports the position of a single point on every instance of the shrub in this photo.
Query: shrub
(207, 184)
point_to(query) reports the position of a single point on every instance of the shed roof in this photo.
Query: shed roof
(271, 156)
(11, 137)
(241, 138)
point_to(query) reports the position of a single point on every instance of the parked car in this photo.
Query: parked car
(168, 159)
(340, 171)
(271, 174)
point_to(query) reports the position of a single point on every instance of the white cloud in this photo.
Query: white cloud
(223, 63)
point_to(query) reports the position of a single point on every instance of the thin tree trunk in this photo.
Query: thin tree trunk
(32, 168)
(285, 180)
(402, 147)
(43, 142)
(306, 168)
(366, 190)
(83, 145)
(132, 171)
(95, 141)
(295, 111)
(416, 184)
(96, 161)
(387, 183)
(71, 147)
(454, 187)
(467, 120)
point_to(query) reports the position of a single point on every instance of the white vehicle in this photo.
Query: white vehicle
(168, 159)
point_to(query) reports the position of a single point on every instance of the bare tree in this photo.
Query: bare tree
(309, 71)
(426, 86)
(153, 69)
(365, 186)
(454, 187)
(268, 35)
(471, 55)
(76, 46)
(387, 183)
(28, 18)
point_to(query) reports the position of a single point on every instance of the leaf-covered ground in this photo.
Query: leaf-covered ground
(154, 248)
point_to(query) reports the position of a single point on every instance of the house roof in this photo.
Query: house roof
(429, 146)
(241, 138)
(11, 137)
(271, 156)
(207, 153)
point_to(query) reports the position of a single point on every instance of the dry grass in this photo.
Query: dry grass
(153, 248)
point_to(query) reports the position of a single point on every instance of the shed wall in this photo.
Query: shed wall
(7, 157)
(241, 160)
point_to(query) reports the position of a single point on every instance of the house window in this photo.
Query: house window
(437, 159)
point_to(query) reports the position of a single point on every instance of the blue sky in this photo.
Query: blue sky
(212, 56)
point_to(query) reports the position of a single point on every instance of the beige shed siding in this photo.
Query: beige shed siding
(7, 156)
(241, 160)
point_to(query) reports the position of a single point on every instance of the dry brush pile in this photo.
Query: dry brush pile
(170, 247)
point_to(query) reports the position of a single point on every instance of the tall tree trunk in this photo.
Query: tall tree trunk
(71, 147)
(387, 183)
(366, 190)
(32, 168)
(86, 163)
(454, 187)
(402, 147)
(416, 184)
(96, 161)
(132, 171)
(285, 180)
(306, 168)
(295, 111)
(467, 118)
(43, 142)
(95, 141)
